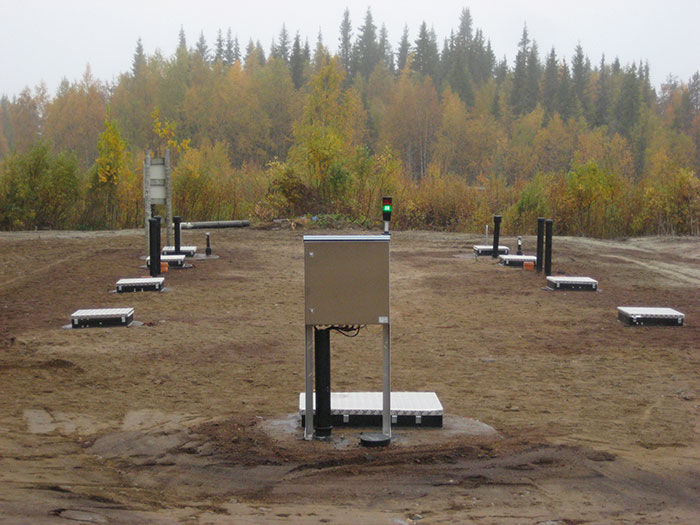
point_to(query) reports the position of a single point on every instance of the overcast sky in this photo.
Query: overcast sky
(47, 40)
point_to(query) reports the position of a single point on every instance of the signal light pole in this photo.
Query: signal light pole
(386, 213)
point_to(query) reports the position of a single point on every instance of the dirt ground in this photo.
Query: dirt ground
(192, 416)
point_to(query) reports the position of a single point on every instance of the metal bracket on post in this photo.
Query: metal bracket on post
(309, 376)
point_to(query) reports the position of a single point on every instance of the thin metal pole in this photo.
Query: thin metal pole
(386, 380)
(309, 375)
(147, 198)
(548, 247)
(168, 197)
(540, 242)
(496, 235)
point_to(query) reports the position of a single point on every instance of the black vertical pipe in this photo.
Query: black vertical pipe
(496, 235)
(208, 250)
(548, 247)
(520, 246)
(322, 362)
(540, 242)
(154, 246)
(176, 222)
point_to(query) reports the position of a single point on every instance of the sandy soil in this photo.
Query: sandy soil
(191, 417)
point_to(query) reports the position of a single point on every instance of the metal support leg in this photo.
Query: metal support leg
(309, 374)
(323, 420)
(386, 380)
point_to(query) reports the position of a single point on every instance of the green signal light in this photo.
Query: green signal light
(387, 207)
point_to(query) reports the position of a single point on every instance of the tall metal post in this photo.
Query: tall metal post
(540, 242)
(168, 198)
(548, 247)
(323, 423)
(147, 197)
(207, 251)
(496, 235)
(386, 380)
(154, 245)
(309, 380)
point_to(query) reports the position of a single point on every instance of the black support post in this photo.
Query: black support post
(540, 243)
(548, 247)
(496, 235)
(176, 222)
(154, 245)
(208, 250)
(322, 347)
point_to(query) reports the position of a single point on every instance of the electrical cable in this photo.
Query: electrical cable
(348, 330)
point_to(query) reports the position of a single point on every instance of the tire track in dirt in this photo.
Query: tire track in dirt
(687, 276)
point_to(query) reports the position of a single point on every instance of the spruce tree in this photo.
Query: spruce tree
(366, 49)
(236, 50)
(321, 55)
(532, 83)
(345, 42)
(550, 84)
(628, 105)
(386, 55)
(404, 50)
(580, 77)
(219, 50)
(201, 49)
(229, 57)
(139, 61)
(181, 41)
(565, 95)
(457, 69)
(602, 101)
(501, 71)
(283, 45)
(518, 96)
(260, 52)
(425, 57)
(464, 34)
(297, 62)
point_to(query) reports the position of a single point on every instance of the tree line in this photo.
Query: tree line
(453, 132)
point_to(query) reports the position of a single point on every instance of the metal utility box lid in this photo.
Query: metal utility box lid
(346, 279)
(157, 182)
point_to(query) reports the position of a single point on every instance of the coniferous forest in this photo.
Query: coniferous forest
(448, 128)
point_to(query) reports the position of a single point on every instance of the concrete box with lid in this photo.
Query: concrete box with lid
(346, 279)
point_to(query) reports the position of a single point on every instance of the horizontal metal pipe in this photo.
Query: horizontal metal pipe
(214, 224)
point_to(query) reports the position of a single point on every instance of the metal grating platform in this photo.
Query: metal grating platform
(188, 251)
(562, 282)
(487, 249)
(362, 409)
(102, 317)
(174, 261)
(516, 260)
(641, 315)
(140, 284)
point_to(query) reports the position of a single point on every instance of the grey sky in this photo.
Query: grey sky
(47, 40)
